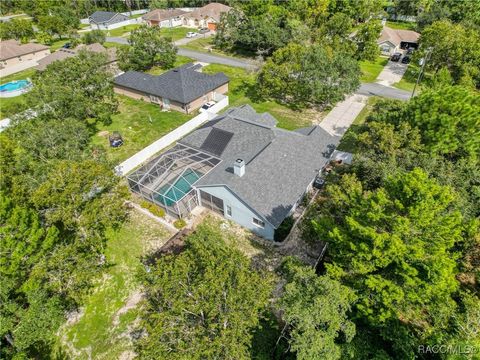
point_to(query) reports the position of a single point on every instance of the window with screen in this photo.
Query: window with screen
(259, 223)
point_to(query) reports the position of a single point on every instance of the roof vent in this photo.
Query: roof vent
(239, 167)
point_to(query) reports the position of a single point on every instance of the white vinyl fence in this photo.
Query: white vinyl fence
(173, 136)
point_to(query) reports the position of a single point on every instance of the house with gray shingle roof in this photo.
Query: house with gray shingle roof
(183, 89)
(239, 165)
(106, 19)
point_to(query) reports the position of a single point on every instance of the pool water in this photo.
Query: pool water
(182, 187)
(14, 85)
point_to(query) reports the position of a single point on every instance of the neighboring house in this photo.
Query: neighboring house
(206, 17)
(105, 20)
(392, 40)
(183, 89)
(164, 17)
(239, 165)
(15, 56)
(62, 54)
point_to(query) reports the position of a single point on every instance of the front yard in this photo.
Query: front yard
(371, 69)
(140, 123)
(242, 91)
(205, 44)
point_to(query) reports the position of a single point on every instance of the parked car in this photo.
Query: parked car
(410, 51)
(67, 45)
(395, 57)
(203, 30)
(319, 182)
(191, 34)
(206, 106)
(406, 59)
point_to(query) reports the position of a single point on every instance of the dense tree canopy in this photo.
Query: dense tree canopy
(17, 29)
(203, 303)
(148, 47)
(79, 87)
(94, 36)
(315, 311)
(308, 75)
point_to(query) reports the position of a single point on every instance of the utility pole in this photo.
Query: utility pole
(423, 61)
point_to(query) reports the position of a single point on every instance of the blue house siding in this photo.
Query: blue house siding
(241, 213)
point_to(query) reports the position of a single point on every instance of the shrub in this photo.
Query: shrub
(180, 223)
(154, 209)
(284, 229)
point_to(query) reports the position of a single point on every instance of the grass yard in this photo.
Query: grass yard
(401, 25)
(410, 77)
(140, 124)
(241, 91)
(103, 327)
(121, 31)
(176, 33)
(349, 139)
(58, 44)
(371, 69)
(181, 60)
(205, 44)
(14, 105)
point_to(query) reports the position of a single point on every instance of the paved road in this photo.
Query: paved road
(373, 89)
(200, 56)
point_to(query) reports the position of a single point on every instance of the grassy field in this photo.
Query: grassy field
(205, 44)
(101, 332)
(10, 106)
(402, 25)
(121, 31)
(348, 141)
(242, 91)
(181, 60)
(58, 44)
(409, 78)
(371, 69)
(140, 123)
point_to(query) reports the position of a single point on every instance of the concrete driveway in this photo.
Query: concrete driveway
(392, 73)
(338, 120)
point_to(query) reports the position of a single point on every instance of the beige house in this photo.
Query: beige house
(206, 17)
(15, 57)
(164, 17)
(392, 40)
(62, 54)
(183, 89)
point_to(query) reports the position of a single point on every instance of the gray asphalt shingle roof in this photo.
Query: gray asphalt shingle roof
(280, 164)
(100, 17)
(183, 84)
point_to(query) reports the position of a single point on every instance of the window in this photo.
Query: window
(259, 223)
(229, 210)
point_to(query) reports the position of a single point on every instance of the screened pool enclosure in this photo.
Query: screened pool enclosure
(167, 180)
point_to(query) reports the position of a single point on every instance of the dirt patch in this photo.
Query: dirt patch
(131, 303)
(127, 355)
(103, 133)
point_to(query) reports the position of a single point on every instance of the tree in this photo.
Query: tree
(17, 29)
(147, 48)
(394, 246)
(308, 75)
(366, 41)
(452, 46)
(52, 25)
(315, 309)
(447, 118)
(79, 87)
(203, 303)
(94, 36)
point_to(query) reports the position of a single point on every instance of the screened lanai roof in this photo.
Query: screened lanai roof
(169, 177)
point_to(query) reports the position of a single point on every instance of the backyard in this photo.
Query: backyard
(101, 329)
(13, 105)
(140, 123)
(242, 91)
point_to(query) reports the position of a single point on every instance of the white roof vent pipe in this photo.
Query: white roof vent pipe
(239, 167)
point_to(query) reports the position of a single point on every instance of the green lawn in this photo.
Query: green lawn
(109, 311)
(410, 77)
(58, 44)
(402, 25)
(176, 33)
(11, 106)
(349, 139)
(121, 31)
(371, 69)
(242, 91)
(205, 44)
(140, 123)
(181, 60)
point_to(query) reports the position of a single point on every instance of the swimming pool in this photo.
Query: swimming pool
(180, 188)
(14, 88)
